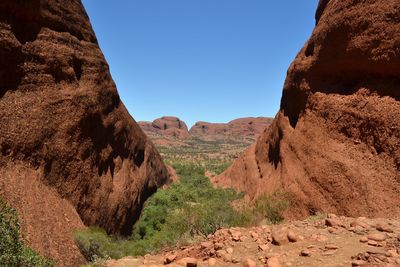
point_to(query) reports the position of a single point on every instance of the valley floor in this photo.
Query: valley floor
(317, 241)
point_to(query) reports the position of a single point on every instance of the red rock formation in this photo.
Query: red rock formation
(335, 143)
(239, 128)
(172, 127)
(166, 127)
(70, 153)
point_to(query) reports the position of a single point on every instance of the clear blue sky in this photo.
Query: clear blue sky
(209, 60)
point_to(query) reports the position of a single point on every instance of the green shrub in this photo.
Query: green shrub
(175, 216)
(269, 207)
(217, 167)
(192, 207)
(189, 208)
(317, 216)
(90, 241)
(30, 258)
(10, 245)
(13, 252)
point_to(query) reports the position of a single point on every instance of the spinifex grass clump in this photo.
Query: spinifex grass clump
(187, 209)
(13, 252)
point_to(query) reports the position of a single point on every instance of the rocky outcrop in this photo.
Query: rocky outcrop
(166, 126)
(335, 143)
(173, 127)
(239, 128)
(70, 153)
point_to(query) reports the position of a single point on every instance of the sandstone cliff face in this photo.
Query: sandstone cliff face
(70, 153)
(335, 143)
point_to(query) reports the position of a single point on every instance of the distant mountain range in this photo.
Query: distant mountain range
(174, 128)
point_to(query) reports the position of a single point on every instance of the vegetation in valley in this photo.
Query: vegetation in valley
(13, 251)
(214, 156)
(189, 209)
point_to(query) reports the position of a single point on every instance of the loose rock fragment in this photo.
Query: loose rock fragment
(377, 237)
(383, 227)
(249, 263)
(273, 262)
(359, 223)
(170, 258)
(188, 262)
(332, 222)
(235, 260)
(206, 245)
(359, 263)
(305, 253)
(263, 247)
(279, 237)
(254, 235)
(292, 237)
(229, 250)
(212, 262)
(218, 246)
(331, 247)
(328, 253)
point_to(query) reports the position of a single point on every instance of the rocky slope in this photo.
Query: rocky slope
(172, 127)
(334, 241)
(70, 153)
(335, 143)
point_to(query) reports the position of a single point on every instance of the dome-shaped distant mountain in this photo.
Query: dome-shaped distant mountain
(239, 129)
(167, 126)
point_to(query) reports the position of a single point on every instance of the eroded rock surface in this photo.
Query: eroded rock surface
(70, 153)
(335, 143)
